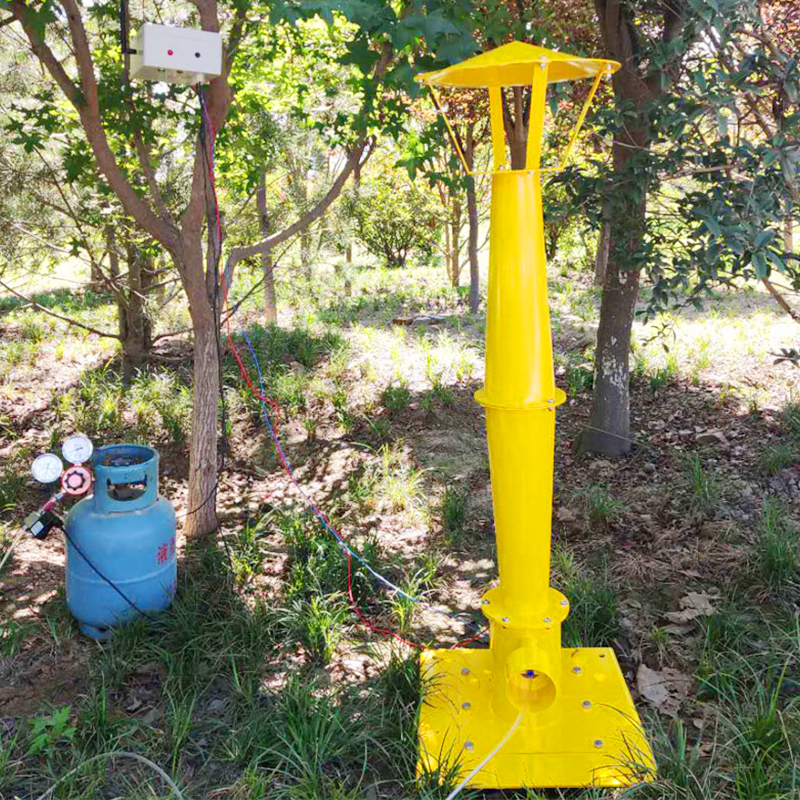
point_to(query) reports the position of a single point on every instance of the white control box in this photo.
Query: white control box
(176, 55)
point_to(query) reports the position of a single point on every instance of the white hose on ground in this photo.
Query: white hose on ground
(115, 754)
(457, 791)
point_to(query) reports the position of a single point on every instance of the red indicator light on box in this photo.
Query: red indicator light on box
(169, 52)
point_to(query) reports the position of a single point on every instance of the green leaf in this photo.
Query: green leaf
(763, 238)
(713, 226)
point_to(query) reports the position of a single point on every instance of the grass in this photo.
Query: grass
(776, 549)
(260, 683)
(602, 508)
(776, 457)
(453, 514)
(704, 488)
(592, 621)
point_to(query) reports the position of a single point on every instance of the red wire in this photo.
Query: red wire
(246, 375)
(470, 639)
(365, 622)
(353, 604)
(277, 409)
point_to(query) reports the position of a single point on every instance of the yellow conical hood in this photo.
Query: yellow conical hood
(513, 64)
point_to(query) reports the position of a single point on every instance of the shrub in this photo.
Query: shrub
(395, 221)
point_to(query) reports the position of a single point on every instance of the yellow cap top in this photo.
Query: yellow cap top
(513, 64)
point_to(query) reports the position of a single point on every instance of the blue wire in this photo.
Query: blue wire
(320, 516)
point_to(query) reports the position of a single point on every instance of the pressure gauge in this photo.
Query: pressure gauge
(77, 449)
(47, 468)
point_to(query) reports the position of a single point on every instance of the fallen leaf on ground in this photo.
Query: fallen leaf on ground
(665, 689)
(693, 605)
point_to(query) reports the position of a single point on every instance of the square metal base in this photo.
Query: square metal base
(591, 736)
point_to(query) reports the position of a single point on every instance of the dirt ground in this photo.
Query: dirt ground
(676, 519)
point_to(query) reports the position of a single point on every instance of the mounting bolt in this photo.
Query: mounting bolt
(550, 400)
(547, 619)
(506, 619)
(466, 706)
(587, 704)
(565, 602)
(486, 602)
(598, 742)
(465, 670)
(577, 670)
(468, 745)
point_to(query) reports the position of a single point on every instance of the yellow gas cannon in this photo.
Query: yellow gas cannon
(570, 716)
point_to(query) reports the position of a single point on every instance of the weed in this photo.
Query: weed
(453, 513)
(317, 565)
(602, 507)
(288, 388)
(314, 741)
(276, 345)
(317, 623)
(592, 621)
(341, 407)
(464, 368)
(50, 731)
(181, 711)
(12, 486)
(247, 551)
(776, 548)
(705, 489)
(12, 636)
(579, 379)
(776, 457)
(660, 642)
(97, 407)
(400, 484)
(664, 375)
(380, 427)
(361, 487)
(162, 394)
(396, 398)
(791, 420)
(311, 423)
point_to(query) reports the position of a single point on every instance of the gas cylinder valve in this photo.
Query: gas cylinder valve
(40, 523)
(75, 480)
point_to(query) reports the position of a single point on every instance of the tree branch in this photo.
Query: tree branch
(50, 313)
(85, 101)
(781, 300)
(353, 161)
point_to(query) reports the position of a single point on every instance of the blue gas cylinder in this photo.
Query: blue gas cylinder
(121, 542)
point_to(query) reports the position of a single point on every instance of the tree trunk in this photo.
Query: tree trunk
(270, 307)
(601, 254)
(455, 228)
(609, 430)
(135, 326)
(111, 247)
(95, 279)
(472, 212)
(788, 233)
(305, 234)
(201, 502)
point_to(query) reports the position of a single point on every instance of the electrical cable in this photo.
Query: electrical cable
(107, 580)
(308, 501)
(481, 764)
(208, 137)
(348, 551)
(115, 754)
